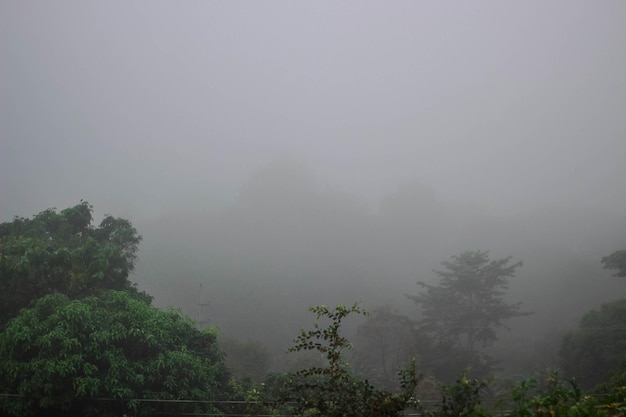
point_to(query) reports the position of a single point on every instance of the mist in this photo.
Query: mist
(277, 155)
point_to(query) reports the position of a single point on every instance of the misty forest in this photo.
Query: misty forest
(312, 209)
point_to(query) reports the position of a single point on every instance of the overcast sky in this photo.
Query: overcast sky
(143, 106)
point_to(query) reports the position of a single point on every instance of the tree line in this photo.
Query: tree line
(74, 329)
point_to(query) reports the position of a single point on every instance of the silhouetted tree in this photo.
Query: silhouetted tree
(616, 262)
(468, 305)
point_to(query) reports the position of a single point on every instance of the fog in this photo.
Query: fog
(276, 155)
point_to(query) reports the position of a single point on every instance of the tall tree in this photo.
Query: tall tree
(63, 252)
(468, 305)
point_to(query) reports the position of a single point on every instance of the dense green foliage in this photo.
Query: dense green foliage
(597, 349)
(63, 252)
(462, 398)
(332, 390)
(61, 353)
(78, 339)
(546, 397)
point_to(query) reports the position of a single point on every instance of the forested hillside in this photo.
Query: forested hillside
(312, 208)
(79, 338)
(287, 242)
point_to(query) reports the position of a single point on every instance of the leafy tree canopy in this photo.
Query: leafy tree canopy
(61, 355)
(63, 252)
(616, 262)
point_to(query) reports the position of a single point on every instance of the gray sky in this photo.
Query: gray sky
(139, 107)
